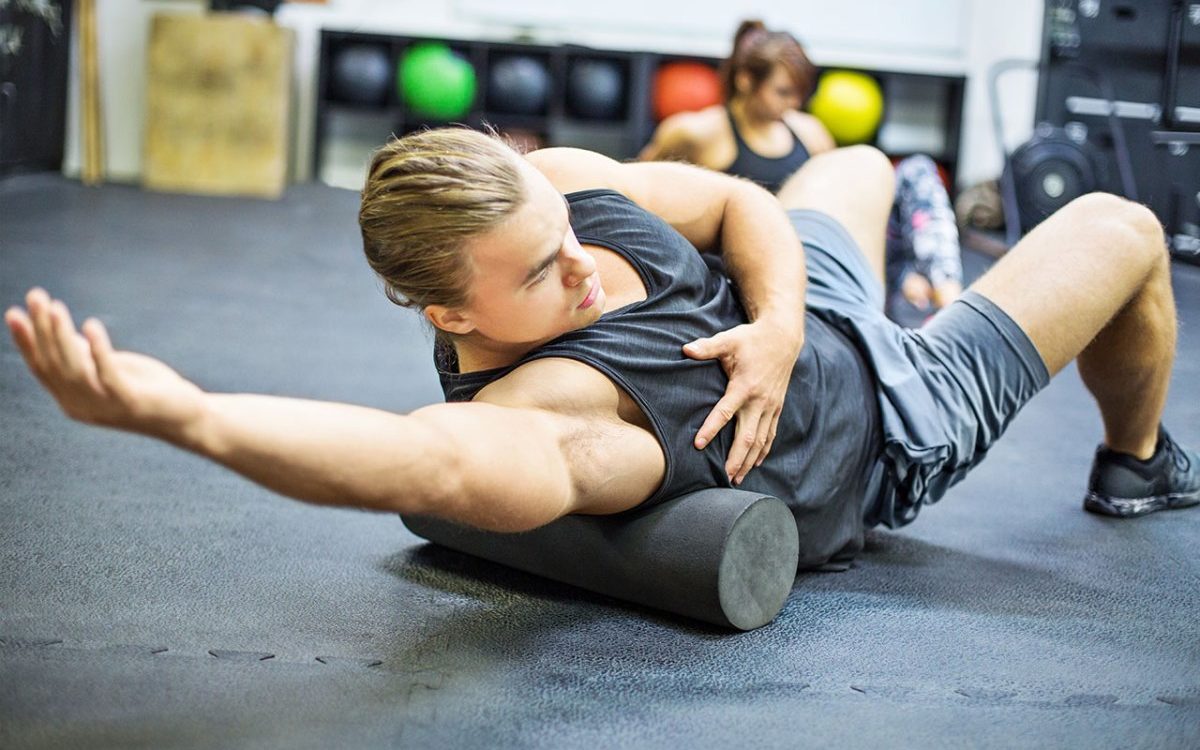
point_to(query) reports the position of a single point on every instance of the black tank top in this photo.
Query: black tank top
(770, 173)
(828, 442)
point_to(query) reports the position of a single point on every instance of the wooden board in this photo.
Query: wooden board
(217, 105)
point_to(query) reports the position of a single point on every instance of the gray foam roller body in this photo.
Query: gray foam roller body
(724, 556)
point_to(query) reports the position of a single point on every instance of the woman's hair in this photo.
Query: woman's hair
(426, 194)
(757, 50)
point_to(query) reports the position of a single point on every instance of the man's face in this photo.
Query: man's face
(531, 280)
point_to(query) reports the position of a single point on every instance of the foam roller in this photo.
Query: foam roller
(724, 556)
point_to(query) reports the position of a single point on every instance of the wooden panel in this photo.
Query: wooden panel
(217, 105)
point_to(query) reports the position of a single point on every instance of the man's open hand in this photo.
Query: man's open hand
(758, 359)
(91, 381)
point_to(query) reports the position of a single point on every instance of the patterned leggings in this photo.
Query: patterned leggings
(922, 235)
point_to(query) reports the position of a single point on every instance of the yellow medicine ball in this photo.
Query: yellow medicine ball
(850, 105)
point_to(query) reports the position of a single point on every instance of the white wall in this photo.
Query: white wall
(997, 31)
(122, 31)
(936, 36)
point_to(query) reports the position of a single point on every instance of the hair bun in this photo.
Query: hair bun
(745, 28)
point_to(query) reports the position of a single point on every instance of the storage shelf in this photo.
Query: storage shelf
(915, 101)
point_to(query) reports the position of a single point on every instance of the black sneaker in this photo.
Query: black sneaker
(1123, 486)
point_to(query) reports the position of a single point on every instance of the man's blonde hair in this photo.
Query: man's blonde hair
(426, 195)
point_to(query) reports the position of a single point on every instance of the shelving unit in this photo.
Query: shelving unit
(923, 112)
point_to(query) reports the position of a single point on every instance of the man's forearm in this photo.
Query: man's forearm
(318, 452)
(765, 258)
(454, 461)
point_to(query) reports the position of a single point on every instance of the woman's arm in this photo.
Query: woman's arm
(673, 140)
(812, 132)
(457, 461)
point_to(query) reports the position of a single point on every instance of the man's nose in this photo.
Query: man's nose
(580, 265)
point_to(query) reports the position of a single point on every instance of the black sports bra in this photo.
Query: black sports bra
(770, 173)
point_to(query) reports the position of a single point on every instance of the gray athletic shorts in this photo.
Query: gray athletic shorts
(947, 390)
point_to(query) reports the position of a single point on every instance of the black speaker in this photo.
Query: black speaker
(1147, 53)
(34, 64)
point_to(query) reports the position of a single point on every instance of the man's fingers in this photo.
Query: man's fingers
(712, 347)
(38, 304)
(758, 448)
(68, 342)
(102, 353)
(771, 432)
(746, 445)
(21, 328)
(699, 349)
(720, 415)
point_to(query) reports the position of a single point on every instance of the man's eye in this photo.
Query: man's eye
(542, 276)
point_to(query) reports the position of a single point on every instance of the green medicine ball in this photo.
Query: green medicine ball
(436, 82)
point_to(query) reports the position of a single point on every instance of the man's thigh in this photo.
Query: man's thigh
(839, 274)
(1066, 279)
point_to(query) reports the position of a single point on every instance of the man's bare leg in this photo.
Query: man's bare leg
(855, 186)
(1092, 282)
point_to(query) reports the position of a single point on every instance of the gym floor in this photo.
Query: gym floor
(150, 599)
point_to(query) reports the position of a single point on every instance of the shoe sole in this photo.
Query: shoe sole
(1123, 507)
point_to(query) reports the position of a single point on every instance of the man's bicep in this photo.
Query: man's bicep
(493, 479)
(572, 169)
(691, 199)
(513, 468)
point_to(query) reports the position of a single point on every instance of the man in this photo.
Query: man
(582, 369)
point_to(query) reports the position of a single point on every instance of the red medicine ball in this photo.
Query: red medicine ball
(685, 87)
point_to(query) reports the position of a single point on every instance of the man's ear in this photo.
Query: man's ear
(449, 319)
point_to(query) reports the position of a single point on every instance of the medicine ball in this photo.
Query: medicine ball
(849, 104)
(685, 87)
(596, 89)
(1050, 170)
(360, 74)
(518, 85)
(436, 82)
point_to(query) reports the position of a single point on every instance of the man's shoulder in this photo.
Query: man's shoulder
(556, 384)
(573, 169)
(574, 392)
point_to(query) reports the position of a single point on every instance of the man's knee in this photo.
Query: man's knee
(863, 169)
(870, 162)
(1135, 231)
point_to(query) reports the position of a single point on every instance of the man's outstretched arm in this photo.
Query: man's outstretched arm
(456, 461)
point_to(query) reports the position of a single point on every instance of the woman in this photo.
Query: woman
(761, 134)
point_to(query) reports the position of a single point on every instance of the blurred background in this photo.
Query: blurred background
(590, 74)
